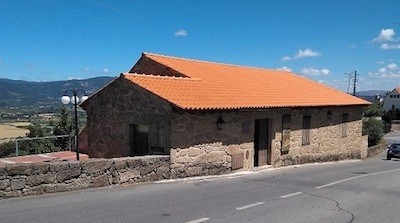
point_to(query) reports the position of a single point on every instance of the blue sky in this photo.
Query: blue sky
(47, 40)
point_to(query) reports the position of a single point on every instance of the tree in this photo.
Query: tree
(392, 114)
(374, 129)
(374, 110)
(7, 148)
(35, 130)
(63, 127)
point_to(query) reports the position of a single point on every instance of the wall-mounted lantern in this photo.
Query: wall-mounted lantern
(220, 122)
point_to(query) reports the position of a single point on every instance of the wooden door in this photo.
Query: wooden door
(139, 140)
(262, 151)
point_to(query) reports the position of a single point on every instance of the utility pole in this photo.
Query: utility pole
(354, 82)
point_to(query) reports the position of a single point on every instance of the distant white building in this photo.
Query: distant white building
(392, 100)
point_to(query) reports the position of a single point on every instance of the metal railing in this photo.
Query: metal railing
(70, 138)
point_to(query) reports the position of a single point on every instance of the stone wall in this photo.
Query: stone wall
(112, 111)
(196, 143)
(205, 159)
(326, 140)
(39, 178)
(199, 148)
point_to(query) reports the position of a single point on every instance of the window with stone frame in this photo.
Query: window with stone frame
(306, 130)
(286, 129)
(345, 119)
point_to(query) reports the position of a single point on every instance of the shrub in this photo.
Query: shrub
(374, 110)
(374, 129)
(393, 114)
(7, 149)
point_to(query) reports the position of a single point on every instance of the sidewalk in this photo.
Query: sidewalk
(46, 157)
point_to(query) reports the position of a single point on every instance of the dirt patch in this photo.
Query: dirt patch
(11, 131)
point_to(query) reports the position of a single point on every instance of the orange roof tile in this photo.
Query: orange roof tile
(209, 85)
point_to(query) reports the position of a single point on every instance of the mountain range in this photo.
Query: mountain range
(17, 93)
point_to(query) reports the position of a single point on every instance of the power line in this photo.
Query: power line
(352, 78)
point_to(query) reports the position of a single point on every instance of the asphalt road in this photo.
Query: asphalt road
(355, 191)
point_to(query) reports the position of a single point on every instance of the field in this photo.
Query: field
(13, 130)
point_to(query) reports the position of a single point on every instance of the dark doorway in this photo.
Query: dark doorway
(138, 140)
(262, 146)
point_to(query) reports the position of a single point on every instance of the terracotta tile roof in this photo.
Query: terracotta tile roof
(209, 85)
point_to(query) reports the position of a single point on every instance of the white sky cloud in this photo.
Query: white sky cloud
(389, 72)
(392, 66)
(385, 35)
(181, 32)
(388, 46)
(74, 78)
(352, 46)
(311, 71)
(106, 71)
(382, 70)
(387, 40)
(307, 53)
(284, 69)
(302, 54)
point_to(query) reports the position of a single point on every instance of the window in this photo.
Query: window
(306, 130)
(391, 96)
(393, 107)
(286, 129)
(345, 119)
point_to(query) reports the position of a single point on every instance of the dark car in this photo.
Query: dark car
(393, 151)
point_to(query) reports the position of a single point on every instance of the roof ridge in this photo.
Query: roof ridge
(213, 62)
(161, 76)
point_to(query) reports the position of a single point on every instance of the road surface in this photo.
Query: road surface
(351, 191)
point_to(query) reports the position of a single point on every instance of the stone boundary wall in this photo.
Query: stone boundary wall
(200, 160)
(395, 127)
(375, 150)
(39, 178)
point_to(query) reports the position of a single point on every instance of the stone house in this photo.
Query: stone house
(213, 117)
(392, 100)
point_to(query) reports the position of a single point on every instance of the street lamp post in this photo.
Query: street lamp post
(65, 99)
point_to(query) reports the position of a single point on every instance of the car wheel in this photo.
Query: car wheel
(388, 157)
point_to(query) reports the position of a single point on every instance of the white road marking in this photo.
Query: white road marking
(249, 206)
(291, 195)
(356, 177)
(198, 220)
